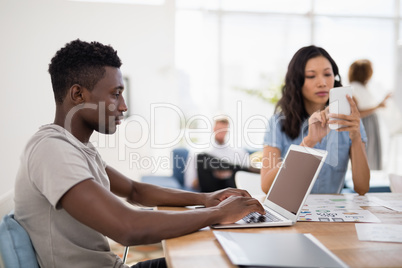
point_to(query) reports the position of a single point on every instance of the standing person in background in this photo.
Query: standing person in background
(301, 117)
(360, 73)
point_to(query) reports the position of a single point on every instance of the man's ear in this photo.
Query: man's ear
(76, 93)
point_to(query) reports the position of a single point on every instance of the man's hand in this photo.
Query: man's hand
(235, 208)
(214, 198)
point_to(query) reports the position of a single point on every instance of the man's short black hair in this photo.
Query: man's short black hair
(80, 63)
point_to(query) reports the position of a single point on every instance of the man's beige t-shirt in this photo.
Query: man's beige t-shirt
(53, 162)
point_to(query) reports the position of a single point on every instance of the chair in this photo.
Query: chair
(395, 182)
(249, 181)
(176, 180)
(16, 248)
(206, 167)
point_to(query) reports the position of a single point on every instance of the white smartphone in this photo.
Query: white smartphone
(338, 103)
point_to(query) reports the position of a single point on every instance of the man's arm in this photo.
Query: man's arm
(149, 194)
(94, 206)
(153, 195)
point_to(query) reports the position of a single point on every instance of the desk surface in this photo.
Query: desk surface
(201, 249)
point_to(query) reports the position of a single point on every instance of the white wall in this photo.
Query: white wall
(33, 30)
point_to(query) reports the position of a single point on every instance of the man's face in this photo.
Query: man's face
(107, 102)
(220, 131)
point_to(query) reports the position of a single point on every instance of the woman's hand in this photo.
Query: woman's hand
(350, 122)
(382, 103)
(317, 128)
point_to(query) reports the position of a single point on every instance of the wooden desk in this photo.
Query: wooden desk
(201, 249)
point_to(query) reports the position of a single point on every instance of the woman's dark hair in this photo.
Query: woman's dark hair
(80, 63)
(360, 71)
(291, 104)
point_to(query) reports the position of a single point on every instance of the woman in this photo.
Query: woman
(360, 73)
(301, 117)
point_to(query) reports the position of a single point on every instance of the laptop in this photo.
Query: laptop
(276, 250)
(289, 191)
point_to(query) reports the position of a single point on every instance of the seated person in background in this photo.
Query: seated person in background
(217, 165)
(360, 73)
(66, 196)
(303, 119)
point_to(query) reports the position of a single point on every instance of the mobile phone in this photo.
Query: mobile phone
(338, 103)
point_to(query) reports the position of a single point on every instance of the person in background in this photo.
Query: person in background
(301, 117)
(360, 73)
(67, 197)
(220, 151)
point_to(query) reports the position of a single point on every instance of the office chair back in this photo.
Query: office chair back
(206, 167)
(180, 156)
(16, 248)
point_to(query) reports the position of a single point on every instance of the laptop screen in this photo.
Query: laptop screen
(294, 179)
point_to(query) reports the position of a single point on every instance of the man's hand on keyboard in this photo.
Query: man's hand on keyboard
(214, 198)
(235, 208)
(256, 217)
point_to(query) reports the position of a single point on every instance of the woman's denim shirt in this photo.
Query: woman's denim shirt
(332, 175)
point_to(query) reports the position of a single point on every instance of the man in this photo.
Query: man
(66, 196)
(215, 168)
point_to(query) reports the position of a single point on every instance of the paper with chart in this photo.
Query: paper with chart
(342, 200)
(379, 232)
(336, 208)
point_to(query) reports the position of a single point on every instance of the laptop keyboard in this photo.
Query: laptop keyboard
(257, 217)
